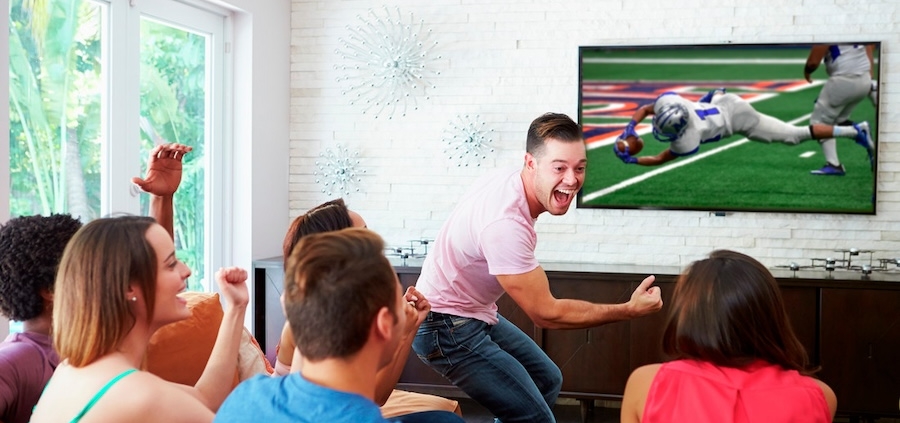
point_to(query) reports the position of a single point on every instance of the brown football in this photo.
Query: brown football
(635, 145)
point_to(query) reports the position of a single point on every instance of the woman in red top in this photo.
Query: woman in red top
(736, 357)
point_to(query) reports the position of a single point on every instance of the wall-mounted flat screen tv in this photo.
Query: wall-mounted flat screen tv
(722, 114)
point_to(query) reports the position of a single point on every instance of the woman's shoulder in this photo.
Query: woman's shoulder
(636, 390)
(642, 377)
(647, 371)
(830, 397)
(128, 395)
(151, 398)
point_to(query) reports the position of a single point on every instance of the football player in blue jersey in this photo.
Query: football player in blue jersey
(686, 124)
(849, 68)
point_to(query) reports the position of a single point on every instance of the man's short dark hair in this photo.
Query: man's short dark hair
(551, 125)
(335, 284)
(30, 250)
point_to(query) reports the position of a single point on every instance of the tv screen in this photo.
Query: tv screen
(697, 95)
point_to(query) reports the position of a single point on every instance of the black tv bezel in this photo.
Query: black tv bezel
(721, 211)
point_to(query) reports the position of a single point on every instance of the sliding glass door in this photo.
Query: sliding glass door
(94, 85)
(181, 50)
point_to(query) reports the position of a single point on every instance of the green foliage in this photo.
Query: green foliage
(173, 106)
(50, 99)
(56, 81)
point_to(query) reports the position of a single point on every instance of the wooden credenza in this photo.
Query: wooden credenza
(849, 324)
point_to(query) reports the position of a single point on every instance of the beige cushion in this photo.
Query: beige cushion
(251, 359)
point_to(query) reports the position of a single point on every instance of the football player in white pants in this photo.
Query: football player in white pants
(686, 125)
(849, 68)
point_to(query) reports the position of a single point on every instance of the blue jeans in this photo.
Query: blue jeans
(496, 365)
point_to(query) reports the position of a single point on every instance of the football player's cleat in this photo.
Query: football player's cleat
(828, 169)
(864, 138)
(670, 122)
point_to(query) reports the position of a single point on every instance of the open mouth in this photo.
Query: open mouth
(563, 196)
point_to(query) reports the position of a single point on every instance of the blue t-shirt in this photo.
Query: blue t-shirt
(294, 399)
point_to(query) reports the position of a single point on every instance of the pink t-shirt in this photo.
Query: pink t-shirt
(490, 233)
(27, 360)
(700, 392)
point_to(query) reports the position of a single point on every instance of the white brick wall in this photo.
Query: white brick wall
(509, 61)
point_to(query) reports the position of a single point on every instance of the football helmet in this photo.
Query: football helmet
(670, 122)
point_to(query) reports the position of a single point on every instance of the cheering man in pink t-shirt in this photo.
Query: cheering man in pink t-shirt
(486, 248)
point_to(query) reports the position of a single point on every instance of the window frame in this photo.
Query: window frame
(122, 47)
(208, 19)
(4, 132)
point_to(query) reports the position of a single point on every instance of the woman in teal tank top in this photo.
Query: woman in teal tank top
(116, 285)
(99, 394)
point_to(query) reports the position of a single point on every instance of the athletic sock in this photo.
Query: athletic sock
(845, 131)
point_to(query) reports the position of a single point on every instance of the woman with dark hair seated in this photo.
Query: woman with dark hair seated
(396, 404)
(736, 357)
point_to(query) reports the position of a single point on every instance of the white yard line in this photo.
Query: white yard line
(675, 165)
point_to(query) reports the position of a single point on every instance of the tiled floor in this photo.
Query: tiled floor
(567, 412)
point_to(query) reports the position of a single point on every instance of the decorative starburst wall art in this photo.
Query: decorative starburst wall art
(389, 63)
(467, 140)
(338, 171)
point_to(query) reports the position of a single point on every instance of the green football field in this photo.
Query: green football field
(730, 175)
